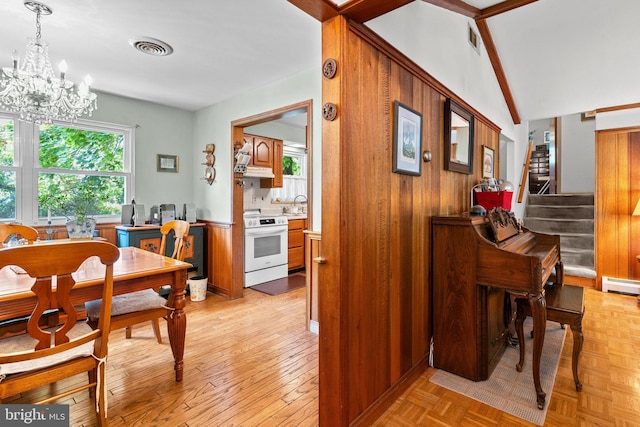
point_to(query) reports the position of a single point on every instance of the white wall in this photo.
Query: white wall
(578, 155)
(618, 119)
(159, 130)
(213, 126)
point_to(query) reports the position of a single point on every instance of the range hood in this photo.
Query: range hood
(259, 172)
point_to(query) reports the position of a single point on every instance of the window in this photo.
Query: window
(294, 180)
(59, 169)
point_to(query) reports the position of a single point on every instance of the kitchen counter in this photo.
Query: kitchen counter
(296, 216)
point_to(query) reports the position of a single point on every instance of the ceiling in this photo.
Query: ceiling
(559, 57)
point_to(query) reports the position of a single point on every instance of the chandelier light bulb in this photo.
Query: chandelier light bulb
(63, 66)
(15, 58)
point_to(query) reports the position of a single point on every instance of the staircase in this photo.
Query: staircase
(572, 217)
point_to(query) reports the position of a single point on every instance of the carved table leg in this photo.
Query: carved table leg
(520, 316)
(578, 339)
(177, 321)
(539, 314)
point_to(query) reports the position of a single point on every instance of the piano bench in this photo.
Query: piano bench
(565, 305)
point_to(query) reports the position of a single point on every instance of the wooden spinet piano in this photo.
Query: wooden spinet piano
(477, 262)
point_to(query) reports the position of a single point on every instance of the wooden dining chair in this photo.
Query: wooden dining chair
(23, 231)
(44, 356)
(19, 324)
(146, 305)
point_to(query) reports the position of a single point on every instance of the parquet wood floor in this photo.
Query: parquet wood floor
(250, 362)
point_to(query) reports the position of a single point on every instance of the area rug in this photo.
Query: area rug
(507, 389)
(280, 286)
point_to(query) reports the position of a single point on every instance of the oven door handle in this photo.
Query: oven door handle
(265, 231)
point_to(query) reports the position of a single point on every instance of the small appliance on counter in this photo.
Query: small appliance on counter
(167, 213)
(132, 215)
(154, 215)
(189, 212)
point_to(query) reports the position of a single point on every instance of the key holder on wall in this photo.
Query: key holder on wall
(210, 161)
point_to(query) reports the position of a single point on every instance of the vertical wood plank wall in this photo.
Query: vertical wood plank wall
(375, 287)
(617, 192)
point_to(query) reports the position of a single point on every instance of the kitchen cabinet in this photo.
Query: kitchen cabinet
(296, 243)
(262, 154)
(267, 152)
(276, 181)
(148, 237)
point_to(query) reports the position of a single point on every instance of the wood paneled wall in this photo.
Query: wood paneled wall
(375, 287)
(218, 253)
(617, 233)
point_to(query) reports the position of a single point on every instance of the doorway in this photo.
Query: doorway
(237, 134)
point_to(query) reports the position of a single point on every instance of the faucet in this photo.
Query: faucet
(296, 198)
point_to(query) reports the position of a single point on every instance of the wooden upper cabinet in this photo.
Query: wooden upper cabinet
(267, 152)
(262, 152)
(276, 181)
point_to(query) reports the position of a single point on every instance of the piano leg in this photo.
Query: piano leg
(539, 314)
(520, 316)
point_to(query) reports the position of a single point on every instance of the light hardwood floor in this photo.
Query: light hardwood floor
(250, 362)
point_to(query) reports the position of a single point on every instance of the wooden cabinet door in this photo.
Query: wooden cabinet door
(276, 181)
(277, 163)
(262, 152)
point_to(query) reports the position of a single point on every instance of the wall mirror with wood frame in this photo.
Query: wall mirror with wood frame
(458, 138)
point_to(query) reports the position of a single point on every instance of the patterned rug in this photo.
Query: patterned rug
(507, 389)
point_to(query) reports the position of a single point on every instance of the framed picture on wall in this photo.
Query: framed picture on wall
(167, 163)
(487, 162)
(407, 140)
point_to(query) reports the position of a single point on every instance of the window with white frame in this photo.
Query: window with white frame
(294, 176)
(61, 170)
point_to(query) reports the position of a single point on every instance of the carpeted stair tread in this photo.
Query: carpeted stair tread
(570, 270)
(565, 212)
(559, 225)
(561, 199)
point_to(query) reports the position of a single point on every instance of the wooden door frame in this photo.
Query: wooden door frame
(237, 140)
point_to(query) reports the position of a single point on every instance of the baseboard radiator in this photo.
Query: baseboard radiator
(611, 284)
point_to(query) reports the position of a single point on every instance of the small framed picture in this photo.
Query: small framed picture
(407, 140)
(167, 163)
(487, 162)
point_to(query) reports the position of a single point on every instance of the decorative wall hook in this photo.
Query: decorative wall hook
(329, 111)
(329, 68)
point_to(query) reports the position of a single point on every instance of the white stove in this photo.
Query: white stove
(266, 252)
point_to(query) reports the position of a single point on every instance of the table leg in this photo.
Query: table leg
(539, 314)
(177, 321)
(578, 339)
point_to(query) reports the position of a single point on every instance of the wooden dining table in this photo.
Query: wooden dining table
(135, 270)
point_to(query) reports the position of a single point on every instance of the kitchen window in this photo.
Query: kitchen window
(294, 176)
(40, 162)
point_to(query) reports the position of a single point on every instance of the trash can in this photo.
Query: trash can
(197, 288)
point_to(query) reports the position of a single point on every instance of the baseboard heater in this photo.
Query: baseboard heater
(624, 286)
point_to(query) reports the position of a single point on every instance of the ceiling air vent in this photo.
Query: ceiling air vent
(151, 46)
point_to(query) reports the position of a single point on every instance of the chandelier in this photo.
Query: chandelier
(34, 91)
